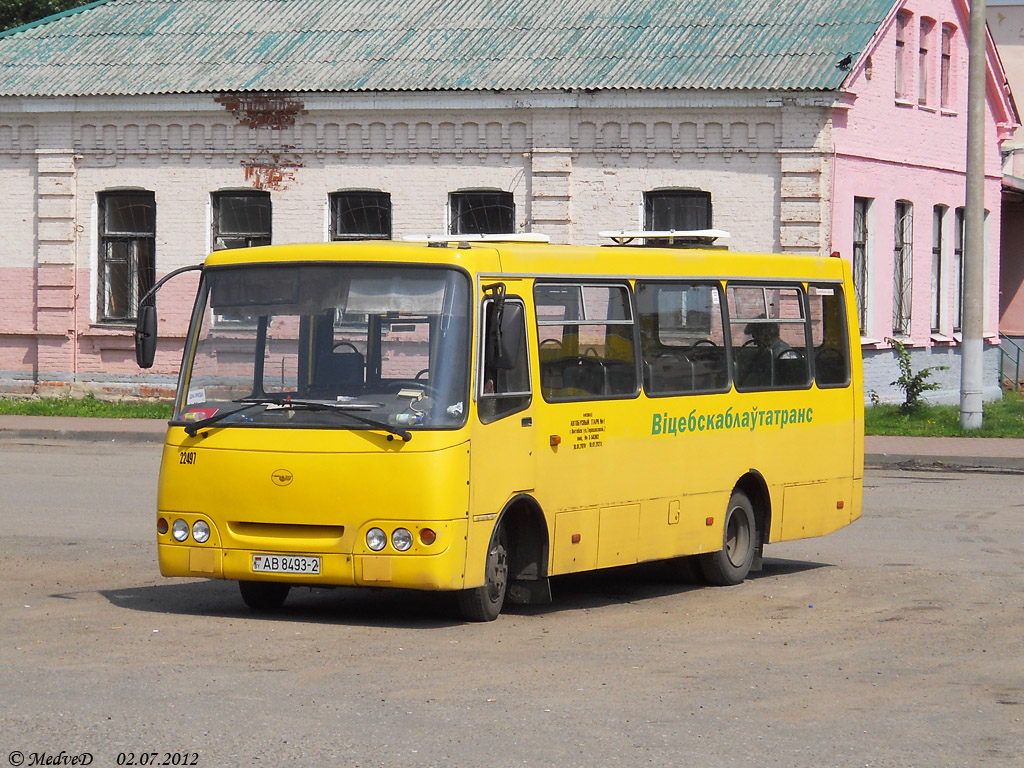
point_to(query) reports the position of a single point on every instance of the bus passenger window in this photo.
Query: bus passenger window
(682, 337)
(768, 329)
(504, 391)
(828, 335)
(586, 341)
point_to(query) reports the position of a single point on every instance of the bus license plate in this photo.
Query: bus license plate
(285, 564)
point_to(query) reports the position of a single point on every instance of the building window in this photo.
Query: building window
(680, 209)
(902, 24)
(482, 212)
(127, 258)
(903, 268)
(241, 219)
(861, 206)
(946, 68)
(938, 221)
(958, 267)
(924, 60)
(360, 215)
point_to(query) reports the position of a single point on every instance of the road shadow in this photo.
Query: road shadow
(411, 609)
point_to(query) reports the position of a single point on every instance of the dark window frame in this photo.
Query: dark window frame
(661, 215)
(138, 260)
(938, 225)
(946, 66)
(369, 218)
(959, 241)
(861, 256)
(481, 212)
(903, 268)
(249, 237)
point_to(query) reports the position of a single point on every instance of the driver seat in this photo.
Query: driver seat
(339, 373)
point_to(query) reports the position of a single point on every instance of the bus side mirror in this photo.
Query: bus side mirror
(504, 336)
(145, 336)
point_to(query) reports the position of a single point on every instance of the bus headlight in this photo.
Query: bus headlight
(179, 530)
(401, 539)
(376, 539)
(200, 531)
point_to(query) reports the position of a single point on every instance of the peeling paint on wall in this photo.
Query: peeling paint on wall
(262, 110)
(269, 171)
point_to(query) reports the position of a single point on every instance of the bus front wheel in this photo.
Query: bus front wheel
(731, 564)
(263, 595)
(484, 603)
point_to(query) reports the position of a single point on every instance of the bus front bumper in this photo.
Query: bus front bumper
(442, 571)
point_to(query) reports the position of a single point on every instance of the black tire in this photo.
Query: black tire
(485, 603)
(731, 564)
(263, 595)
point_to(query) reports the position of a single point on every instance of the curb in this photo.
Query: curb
(80, 435)
(938, 463)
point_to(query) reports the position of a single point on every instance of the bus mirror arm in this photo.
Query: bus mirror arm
(146, 324)
(502, 343)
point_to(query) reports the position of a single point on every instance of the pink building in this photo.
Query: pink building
(1006, 20)
(900, 159)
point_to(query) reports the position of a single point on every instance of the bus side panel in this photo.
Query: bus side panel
(618, 532)
(674, 526)
(574, 546)
(816, 508)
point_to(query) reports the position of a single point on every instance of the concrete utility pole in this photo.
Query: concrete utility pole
(973, 291)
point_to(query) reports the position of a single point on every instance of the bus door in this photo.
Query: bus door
(502, 443)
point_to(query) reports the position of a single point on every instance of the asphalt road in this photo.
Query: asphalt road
(895, 642)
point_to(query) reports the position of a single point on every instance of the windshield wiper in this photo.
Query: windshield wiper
(313, 405)
(193, 427)
(343, 410)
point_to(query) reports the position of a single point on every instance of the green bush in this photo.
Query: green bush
(913, 384)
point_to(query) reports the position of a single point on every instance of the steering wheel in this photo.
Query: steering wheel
(703, 342)
(424, 372)
(348, 344)
(554, 342)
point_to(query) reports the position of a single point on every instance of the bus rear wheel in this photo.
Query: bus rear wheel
(485, 603)
(731, 564)
(263, 595)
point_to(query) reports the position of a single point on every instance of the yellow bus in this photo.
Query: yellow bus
(479, 416)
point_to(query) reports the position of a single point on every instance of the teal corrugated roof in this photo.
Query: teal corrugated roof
(136, 47)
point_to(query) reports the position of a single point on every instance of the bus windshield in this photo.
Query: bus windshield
(328, 346)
